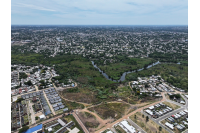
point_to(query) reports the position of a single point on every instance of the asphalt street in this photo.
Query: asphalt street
(136, 126)
(158, 120)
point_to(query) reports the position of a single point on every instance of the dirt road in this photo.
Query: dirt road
(109, 125)
(99, 119)
(32, 112)
(36, 87)
(80, 123)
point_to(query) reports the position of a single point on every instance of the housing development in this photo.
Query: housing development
(99, 79)
(104, 43)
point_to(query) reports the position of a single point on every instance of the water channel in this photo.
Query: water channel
(122, 78)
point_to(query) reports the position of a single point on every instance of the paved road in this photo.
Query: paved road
(109, 125)
(80, 122)
(30, 92)
(158, 121)
(52, 110)
(186, 101)
(136, 126)
(32, 112)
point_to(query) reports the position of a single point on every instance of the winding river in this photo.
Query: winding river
(122, 78)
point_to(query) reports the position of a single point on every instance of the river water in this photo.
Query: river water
(122, 78)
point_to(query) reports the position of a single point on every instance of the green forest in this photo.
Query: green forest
(170, 57)
(80, 69)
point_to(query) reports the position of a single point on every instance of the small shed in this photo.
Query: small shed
(42, 117)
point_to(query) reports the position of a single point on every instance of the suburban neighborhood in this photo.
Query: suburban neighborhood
(37, 103)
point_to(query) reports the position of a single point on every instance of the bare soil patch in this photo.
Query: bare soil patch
(89, 121)
(111, 110)
(80, 97)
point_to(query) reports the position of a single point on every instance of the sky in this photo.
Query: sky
(99, 12)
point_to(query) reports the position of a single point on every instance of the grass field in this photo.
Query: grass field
(171, 105)
(73, 105)
(110, 110)
(149, 127)
(84, 95)
(124, 91)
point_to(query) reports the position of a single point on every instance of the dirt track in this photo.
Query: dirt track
(106, 123)
(126, 116)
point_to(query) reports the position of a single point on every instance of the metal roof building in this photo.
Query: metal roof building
(34, 129)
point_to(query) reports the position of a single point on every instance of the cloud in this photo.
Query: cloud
(34, 7)
(105, 11)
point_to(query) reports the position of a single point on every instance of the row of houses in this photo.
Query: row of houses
(54, 99)
(31, 95)
(178, 120)
(158, 110)
(126, 126)
(45, 105)
(22, 90)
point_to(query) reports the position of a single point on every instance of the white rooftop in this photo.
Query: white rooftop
(61, 122)
(127, 126)
(75, 130)
(50, 129)
(42, 116)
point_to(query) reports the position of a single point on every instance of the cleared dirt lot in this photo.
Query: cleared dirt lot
(80, 97)
(89, 121)
(149, 127)
(111, 110)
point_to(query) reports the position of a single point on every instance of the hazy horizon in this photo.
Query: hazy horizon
(99, 12)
